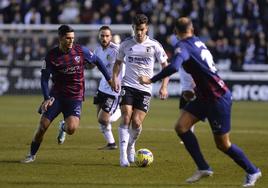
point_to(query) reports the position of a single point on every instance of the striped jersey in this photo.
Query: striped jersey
(139, 59)
(67, 70)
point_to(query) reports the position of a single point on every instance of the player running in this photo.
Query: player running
(213, 102)
(139, 53)
(65, 63)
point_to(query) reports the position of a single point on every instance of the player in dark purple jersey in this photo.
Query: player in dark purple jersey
(213, 102)
(65, 64)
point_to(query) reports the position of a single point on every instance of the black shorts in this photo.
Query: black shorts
(108, 103)
(183, 102)
(136, 98)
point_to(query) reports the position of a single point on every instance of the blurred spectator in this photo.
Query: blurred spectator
(32, 17)
(236, 30)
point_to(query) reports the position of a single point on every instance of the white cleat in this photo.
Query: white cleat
(252, 178)
(62, 133)
(124, 162)
(131, 153)
(28, 159)
(198, 175)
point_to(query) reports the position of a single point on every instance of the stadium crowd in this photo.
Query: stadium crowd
(234, 30)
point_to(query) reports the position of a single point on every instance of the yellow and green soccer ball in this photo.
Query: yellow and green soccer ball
(143, 157)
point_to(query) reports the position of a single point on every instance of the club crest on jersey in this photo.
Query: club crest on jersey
(148, 49)
(130, 49)
(77, 59)
(108, 57)
(178, 50)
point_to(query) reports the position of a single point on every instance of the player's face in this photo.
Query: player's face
(105, 37)
(67, 41)
(140, 32)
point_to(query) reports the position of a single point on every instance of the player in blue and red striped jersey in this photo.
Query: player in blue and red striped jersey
(65, 63)
(213, 102)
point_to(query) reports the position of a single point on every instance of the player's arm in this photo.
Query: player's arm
(90, 57)
(45, 75)
(181, 55)
(167, 71)
(163, 92)
(116, 70)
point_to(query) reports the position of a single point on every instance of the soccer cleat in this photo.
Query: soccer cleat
(198, 175)
(252, 178)
(131, 153)
(28, 159)
(124, 162)
(109, 146)
(62, 133)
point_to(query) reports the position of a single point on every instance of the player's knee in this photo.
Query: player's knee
(70, 129)
(103, 121)
(136, 123)
(180, 129)
(222, 147)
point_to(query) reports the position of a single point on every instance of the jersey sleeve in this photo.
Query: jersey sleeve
(90, 57)
(121, 53)
(181, 55)
(160, 54)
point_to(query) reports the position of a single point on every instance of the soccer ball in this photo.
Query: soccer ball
(143, 157)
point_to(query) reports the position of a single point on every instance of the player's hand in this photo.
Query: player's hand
(145, 80)
(110, 82)
(47, 103)
(163, 93)
(115, 85)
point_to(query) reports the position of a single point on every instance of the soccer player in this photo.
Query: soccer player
(213, 102)
(139, 53)
(107, 100)
(65, 63)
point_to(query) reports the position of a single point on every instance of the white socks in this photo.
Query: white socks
(123, 143)
(134, 135)
(107, 133)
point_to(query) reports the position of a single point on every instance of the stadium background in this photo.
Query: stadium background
(234, 30)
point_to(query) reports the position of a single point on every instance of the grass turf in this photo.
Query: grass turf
(78, 163)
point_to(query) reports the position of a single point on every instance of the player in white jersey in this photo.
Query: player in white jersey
(106, 99)
(139, 53)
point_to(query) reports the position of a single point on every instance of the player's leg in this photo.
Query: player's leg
(45, 121)
(182, 128)
(123, 132)
(71, 112)
(141, 106)
(220, 114)
(191, 114)
(106, 129)
(134, 132)
(253, 173)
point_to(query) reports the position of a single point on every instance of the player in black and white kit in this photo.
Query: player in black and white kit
(107, 100)
(139, 54)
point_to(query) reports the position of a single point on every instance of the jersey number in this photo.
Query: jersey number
(206, 56)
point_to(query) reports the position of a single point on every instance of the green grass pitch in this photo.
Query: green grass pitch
(78, 163)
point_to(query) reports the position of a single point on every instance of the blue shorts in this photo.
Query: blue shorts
(217, 112)
(67, 106)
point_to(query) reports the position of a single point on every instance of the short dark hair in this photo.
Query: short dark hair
(105, 27)
(63, 29)
(183, 24)
(140, 19)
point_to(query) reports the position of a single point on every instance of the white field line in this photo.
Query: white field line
(259, 132)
